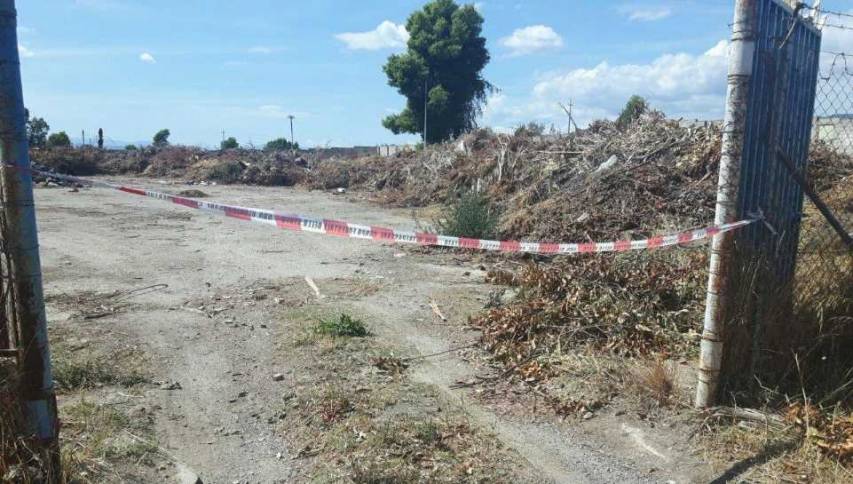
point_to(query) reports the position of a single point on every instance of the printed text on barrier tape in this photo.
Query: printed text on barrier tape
(345, 229)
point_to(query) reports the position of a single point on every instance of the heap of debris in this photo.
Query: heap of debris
(252, 167)
(653, 175)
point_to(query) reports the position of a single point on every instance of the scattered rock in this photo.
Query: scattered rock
(278, 377)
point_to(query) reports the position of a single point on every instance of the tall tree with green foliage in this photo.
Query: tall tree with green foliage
(441, 68)
(37, 129)
(162, 138)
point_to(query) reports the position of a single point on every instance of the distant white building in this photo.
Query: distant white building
(836, 131)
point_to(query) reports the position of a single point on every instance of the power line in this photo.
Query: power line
(821, 11)
(838, 26)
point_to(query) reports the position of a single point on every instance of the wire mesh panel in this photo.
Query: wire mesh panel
(778, 124)
(825, 272)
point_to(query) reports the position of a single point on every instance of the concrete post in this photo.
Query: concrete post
(741, 58)
(36, 382)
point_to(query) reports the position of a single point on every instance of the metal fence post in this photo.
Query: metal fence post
(741, 58)
(36, 382)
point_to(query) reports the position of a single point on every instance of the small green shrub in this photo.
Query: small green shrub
(344, 325)
(229, 144)
(58, 140)
(471, 216)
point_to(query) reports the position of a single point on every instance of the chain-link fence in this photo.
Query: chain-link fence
(824, 279)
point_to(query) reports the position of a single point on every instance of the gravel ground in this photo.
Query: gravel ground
(216, 421)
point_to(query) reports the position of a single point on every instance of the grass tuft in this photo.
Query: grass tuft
(342, 326)
(658, 382)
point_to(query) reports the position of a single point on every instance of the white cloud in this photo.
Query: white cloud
(645, 13)
(25, 30)
(534, 38)
(147, 58)
(692, 84)
(682, 85)
(25, 52)
(386, 35)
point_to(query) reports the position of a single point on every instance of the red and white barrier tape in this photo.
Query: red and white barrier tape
(381, 234)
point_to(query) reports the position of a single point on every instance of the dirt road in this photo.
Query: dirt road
(212, 345)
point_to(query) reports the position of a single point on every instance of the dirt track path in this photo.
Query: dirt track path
(218, 422)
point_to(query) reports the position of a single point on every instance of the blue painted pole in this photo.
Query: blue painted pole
(36, 381)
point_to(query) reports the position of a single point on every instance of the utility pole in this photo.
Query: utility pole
(292, 142)
(569, 113)
(82, 138)
(718, 299)
(21, 239)
(426, 105)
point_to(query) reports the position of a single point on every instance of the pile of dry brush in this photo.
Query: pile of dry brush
(251, 167)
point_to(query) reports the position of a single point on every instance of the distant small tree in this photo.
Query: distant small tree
(162, 138)
(530, 129)
(229, 144)
(634, 108)
(280, 144)
(37, 129)
(130, 148)
(58, 140)
(100, 138)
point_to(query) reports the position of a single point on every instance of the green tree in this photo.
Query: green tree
(162, 138)
(442, 66)
(37, 129)
(229, 144)
(100, 138)
(280, 144)
(634, 108)
(58, 140)
(130, 148)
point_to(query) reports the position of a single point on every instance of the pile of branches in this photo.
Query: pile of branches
(252, 167)
(652, 174)
(632, 305)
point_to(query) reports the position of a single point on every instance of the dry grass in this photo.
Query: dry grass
(102, 443)
(353, 417)
(657, 381)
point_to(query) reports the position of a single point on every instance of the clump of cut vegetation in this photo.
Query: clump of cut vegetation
(627, 305)
(343, 325)
(471, 216)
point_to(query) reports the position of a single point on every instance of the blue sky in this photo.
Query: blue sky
(199, 67)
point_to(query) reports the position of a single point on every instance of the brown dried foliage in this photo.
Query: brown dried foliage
(625, 305)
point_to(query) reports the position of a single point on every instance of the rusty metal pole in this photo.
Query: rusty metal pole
(741, 59)
(36, 381)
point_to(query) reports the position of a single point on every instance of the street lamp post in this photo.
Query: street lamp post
(292, 143)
